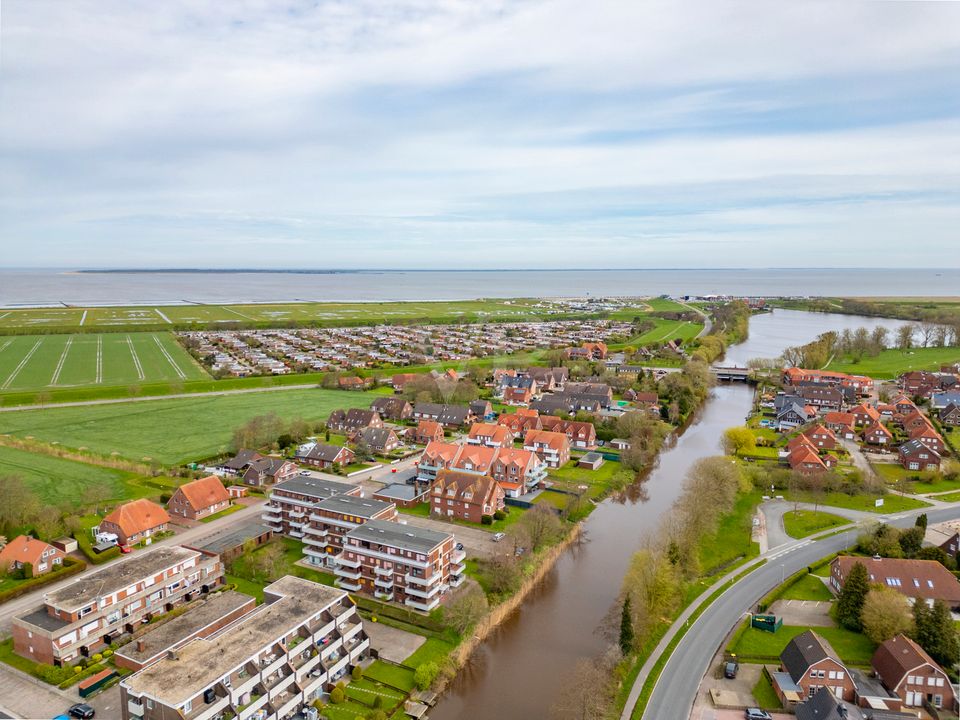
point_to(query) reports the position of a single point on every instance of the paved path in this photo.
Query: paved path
(27, 697)
(22, 604)
(859, 459)
(676, 688)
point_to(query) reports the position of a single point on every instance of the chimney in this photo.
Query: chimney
(141, 644)
(173, 655)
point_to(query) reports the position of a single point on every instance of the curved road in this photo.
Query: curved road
(676, 689)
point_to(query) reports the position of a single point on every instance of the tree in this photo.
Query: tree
(337, 695)
(267, 562)
(879, 337)
(48, 522)
(501, 573)
(626, 627)
(911, 540)
(852, 597)
(935, 632)
(739, 440)
(19, 503)
(921, 521)
(905, 336)
(586, 694)
(425, 674)
(466, 609)
(541, 525)
(884, 614)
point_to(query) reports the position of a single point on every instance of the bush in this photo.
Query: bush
(337, 695)
(357, 672)
(499, 515)
(377, 715)
(108, 652)
(486, 520)
(425, 674)
(77, 669)
(97, 657)
(377, 702)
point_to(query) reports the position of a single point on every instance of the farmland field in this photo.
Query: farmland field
(198, 316)
(171, 431)
(60, 482)
(891, 363)
(47, 362)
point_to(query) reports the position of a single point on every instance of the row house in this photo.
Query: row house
(400, 563)
(796, 376)
(353, 420)
(449, 416)
(465, 496)
(330, 519)
(271, 664)
(581, 435)
(320, 455)
(824, 398)
(290, 503)
(842, 424)
(87, 615)
(552, 447)
(518, 471)
(436, 456)
(520, 421)
(426, 431)
(490, 435)
(908, 671)
(602, 392)
(199, 498)
(915, 455)
(394, 409)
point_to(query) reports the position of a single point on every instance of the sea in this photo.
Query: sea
(19, 288)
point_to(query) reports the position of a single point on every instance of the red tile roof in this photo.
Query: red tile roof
(139, 515)
(24, 549)
(205, 492)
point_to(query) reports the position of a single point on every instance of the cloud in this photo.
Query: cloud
(451, 133)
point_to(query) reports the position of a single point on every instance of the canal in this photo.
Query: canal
(516, 674)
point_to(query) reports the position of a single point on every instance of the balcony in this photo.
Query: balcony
(347, 585)
(295, 534)
(458, 569)
(297, 514)
(271, 513)
(457, 581)
(286, 703)
(382, 571)
(421, 593)
(385, 595)
(256, 702)
(315, 552)
(314, 531)
(457, 556)
(343, 561)
(415, 580)
(422, 606)
(384, 583)
(135, 707)
(208, 712)
(347, 573)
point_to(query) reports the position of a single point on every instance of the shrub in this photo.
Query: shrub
(486, 520)
(97, 657)
(108, 652)
(337, 695)
(77, 669)
(425, 674)
(357, 672)
(499, 515)
(377, 702)
(377, 715)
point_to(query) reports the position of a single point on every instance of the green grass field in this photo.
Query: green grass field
(809, 587)
(802, 523)
(891, 363)
(171, 431)
(732, 539)
(891, 502)
(62, 482)
(185, 316)
(853, 648)
(50, 362)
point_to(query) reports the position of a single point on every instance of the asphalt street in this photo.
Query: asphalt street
(676, 689)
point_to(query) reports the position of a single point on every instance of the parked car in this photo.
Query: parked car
(756, 714)
(124, 549)
(730, 670)
(459, 546)
(81, 711)
(497, 537)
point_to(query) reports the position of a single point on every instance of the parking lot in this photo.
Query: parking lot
(476, 543)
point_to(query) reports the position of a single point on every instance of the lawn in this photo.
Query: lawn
(293, 552)
(809, 587)
(732, 539)
(765, 695)
(949, 497)
(193, 428)
(391, 675)
(513, 515)
(223, 513)
(47, 362)
(801, 523)
(248, 587)
(852, 647)
(61, 482)
(598, 481)
(891, 363)
(433, 650)
(366, 691)
(891, 503)
(919, 483)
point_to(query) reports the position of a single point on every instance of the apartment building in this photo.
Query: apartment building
(465, 496)
(400, 563)
(270, 664)
(517, 471)
(89, 614)
(334, 517)
(292, 501)
(552, 447)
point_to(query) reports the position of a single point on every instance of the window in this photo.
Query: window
(911, 679)
(839, 674)
(833, 675)
(188, 706)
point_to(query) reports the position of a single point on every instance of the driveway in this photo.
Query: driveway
(859, 459)
(392, 643)
(708, 713)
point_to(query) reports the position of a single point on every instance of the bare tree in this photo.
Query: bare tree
(905, 336)
(586, 694)
(541, 525)
(927, 330)
(19, 502)
(466, 609)
(880, 337)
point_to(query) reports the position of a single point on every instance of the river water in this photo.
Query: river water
(516, 674)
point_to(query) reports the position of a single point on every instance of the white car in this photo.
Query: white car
(497, 537)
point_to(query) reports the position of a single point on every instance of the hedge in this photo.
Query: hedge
(429, 622)
(71, 566)
(96, 558)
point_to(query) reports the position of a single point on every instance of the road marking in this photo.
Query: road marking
(136, 358)
(163, 316)
(63, 358)
(169, 357)
(7, 344)
(99, 377)
(235, 312)
(83, 318)
(18, 368)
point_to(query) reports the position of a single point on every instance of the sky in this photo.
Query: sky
(448, 134)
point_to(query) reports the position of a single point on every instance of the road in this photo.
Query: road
(676, 689)
(707, 322)
(22, 604)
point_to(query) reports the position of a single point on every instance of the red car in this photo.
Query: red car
(125, 549)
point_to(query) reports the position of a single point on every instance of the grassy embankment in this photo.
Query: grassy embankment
(891, 363)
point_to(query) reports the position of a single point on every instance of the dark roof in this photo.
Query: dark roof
(803, 651)
(352, 505)
(822, 706)
(241, 459)
(407, 537)
(268, 465)
(480, 407)
(232, 538)
(376, 436)
(915, 446)
(313, 487)
(320, 451)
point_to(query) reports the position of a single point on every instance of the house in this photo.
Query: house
(824, 705)
(950, 415)
(481, 409)
(587, 392)
(925, 580)
(323, 456)
(877, 434)
(821, 437)
(914, 455)
(518, 471)
(400, 380)
(425, 432)
(353, 420)
(25, 550)
(352, 382)
(919, 383)
(450, 416)
(646, 400)
(587, 351)
(946, 536)
(822, 397)
(474, 459)
(913, 421)
(298, 643)
(239, 462)
(794, 415)
(490, 435)
(581, 434)
(812, 664)
(865, 414)
(135, 521)
(940, 400)
(87, 615)
(549, 379)
(436, 456)
(552, 447)
(929, 437)
(517, 390)
(400, 563)
(465, 496)
(806, 461)
(395, 409)
(379, 439)
(907, 671)
(842, 424)
(199, 498)
(268, 470)
(520, 421)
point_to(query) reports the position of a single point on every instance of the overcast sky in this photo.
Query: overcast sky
(554, 133)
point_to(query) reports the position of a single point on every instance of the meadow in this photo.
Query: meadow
(173, 431)
(891, 363)
(53, 362)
